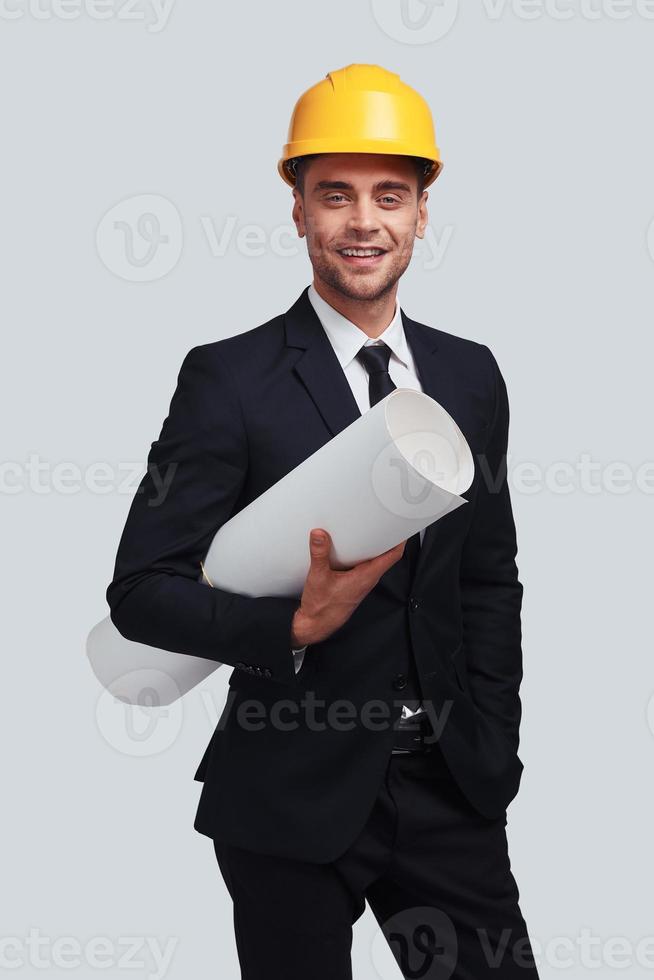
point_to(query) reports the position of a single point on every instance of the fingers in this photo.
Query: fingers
(381, 563)
(319, 546)
(320, 543)
(393, 554)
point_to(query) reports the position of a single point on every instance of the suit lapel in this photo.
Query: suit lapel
(319, 368)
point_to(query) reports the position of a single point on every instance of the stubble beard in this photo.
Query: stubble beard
(366, 288)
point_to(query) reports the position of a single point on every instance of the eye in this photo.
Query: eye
(336, 198)
(390, 199)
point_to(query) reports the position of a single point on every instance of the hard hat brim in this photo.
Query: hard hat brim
(387, 147)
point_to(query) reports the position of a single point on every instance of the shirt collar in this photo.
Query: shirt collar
(347, 339)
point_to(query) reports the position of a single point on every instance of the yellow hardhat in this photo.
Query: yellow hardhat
(361, 109)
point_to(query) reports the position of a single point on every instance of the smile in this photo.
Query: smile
(361, 256)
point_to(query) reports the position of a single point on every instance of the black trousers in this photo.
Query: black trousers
(435, 873)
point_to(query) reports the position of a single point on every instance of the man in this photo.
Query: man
(368, 747)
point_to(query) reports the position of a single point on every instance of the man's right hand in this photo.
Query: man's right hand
(330, 596)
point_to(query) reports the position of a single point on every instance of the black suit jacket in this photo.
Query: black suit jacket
(289, 779)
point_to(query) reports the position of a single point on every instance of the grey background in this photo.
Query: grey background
(544, 210)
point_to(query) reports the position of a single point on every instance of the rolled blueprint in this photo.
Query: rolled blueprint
(138, 674)
(399, 467)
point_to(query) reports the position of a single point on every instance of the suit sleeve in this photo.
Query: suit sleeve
(490, 590)
(195, 472)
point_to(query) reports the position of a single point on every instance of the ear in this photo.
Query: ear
(423, 216)
(298, 213)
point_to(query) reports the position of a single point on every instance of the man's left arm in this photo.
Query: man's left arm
(491, 594)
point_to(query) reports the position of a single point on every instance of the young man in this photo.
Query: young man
(368, 748)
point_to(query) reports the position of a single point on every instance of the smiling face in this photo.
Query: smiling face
(361, 214)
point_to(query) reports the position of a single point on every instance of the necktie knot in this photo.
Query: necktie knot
(375, 358)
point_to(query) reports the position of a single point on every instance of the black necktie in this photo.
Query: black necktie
(375, 358)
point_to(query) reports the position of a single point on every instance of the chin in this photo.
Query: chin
(368, 288)
(363, 286)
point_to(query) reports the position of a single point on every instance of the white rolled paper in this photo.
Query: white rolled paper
(136, 673)
(396, 469)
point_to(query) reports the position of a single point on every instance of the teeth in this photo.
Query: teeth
(361, 252)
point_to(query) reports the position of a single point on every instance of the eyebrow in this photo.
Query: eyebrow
(343, 185)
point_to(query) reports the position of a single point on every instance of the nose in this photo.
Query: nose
(362, 217)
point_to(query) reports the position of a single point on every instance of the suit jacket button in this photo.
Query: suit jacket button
(240, 664)
(267, 672)
(399, 682)
(414, 603)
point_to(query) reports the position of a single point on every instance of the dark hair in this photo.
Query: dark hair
(297, 165)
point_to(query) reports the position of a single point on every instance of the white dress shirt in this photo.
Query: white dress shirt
(347, 340)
